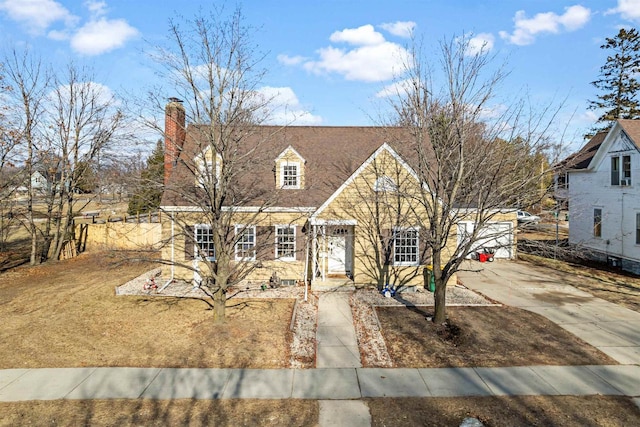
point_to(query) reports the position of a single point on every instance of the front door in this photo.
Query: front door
(337, 245)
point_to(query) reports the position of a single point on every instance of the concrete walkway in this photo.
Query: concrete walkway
(337, 345)
(331, 384)
(611, 328)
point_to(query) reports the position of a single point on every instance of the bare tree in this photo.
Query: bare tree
(29, 82)
(83, 121)
(213, 66)
(10, 174)
(473, 158)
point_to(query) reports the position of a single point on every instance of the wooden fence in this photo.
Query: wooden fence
(119, 235)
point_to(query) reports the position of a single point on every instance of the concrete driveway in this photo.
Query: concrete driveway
(613, 329)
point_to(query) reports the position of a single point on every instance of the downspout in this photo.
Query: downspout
(173, 255)
(306, 265)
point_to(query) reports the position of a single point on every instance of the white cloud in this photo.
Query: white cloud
(285, 108)
(96, 8)
(526, 29)
(399, 88)
(399, 28)
(361, 36)
(36, 15)
(367, 63)
(102, 35)
(291, 60)
(480, 43)
(370, 58)
(628, 9)
(97, 35)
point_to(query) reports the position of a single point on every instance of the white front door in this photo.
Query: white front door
(337, 252)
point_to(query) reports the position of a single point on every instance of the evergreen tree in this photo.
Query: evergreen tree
(147, 197)
(618, 80)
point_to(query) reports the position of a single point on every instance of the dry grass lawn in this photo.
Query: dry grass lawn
(66, 314)
(179, 412)
(566, 411)
(481, 336)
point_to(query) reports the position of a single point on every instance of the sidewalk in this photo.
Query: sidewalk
(322, 384)
(610, 328)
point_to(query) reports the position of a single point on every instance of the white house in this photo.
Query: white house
(604, 198)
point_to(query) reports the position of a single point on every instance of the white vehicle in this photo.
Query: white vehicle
(526, 217)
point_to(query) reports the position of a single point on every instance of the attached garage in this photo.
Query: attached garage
(498, 236)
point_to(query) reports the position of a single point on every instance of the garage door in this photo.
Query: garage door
(494, 235)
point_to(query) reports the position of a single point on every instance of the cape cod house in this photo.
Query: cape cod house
(604, 196)
(313, 204)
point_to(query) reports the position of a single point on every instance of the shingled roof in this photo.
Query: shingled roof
(581, 159)
(332, 154)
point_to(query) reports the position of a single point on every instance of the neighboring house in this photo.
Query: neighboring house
(577, 161)
(604, 197)
(39, 182)
(325, 203)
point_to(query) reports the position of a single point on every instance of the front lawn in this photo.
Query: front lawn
(66, 314)
(481, 336)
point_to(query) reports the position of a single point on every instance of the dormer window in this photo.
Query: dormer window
(289, 170)
(206, 173)
(290, 175)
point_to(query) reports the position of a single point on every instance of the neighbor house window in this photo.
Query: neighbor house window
(245, 243)
(204, 242)
(289, 175)
(405, 247)
(638, 228)
(597, 222)
(621, 170)
(285, 242)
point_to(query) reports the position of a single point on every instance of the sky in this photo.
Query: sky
(330, 61)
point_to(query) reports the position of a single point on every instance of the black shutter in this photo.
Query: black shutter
(189, 241)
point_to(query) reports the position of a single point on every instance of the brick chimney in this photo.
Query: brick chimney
(174, 135)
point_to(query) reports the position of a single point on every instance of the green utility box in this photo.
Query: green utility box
(430, 279)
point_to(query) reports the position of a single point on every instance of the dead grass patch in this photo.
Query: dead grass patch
(246, 412)
(66, 314)
(567, 411)
(481, 336)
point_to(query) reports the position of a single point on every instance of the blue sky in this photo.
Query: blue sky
(329, 60)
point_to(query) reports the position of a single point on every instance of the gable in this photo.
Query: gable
(364, 185)
(617, 142)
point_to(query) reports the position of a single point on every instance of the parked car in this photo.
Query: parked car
(527, 218)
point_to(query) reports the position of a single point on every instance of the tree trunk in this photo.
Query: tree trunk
(219, 306)
(440, 315)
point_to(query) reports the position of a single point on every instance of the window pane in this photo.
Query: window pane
(204, 242)
(290, 176)
(615, 171)
(597, 222)
(638, 229)
(285, 242)
(626, 167)
(405, 248)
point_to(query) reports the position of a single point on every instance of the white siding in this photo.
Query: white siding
(590, 189)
